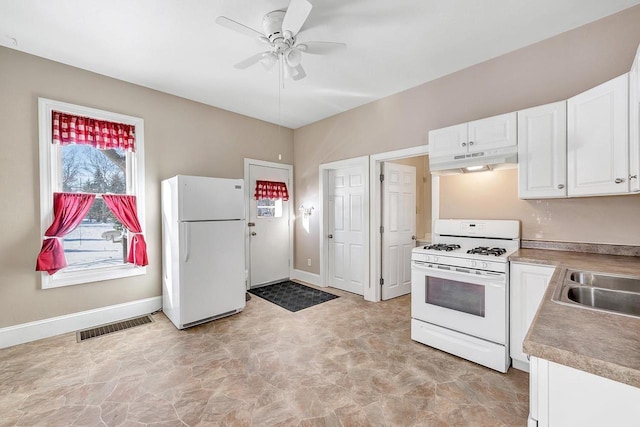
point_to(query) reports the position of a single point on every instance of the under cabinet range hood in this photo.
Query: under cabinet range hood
(498, 158)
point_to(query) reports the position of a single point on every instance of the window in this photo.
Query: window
(268, 208)
(96, 249)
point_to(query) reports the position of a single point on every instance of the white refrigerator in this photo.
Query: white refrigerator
(203, 268)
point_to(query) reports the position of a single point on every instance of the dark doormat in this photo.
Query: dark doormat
(292, 296)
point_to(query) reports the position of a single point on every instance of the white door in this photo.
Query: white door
(542, 151)
(399, 228)
(598, 144)
(347, 229)
(493, 132)
(268, 220)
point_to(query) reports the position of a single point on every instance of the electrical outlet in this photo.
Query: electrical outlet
(309, 262)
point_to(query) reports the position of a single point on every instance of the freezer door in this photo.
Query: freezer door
(211, 269)
(210, 199)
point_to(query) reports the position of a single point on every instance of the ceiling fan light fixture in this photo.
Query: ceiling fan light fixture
(289, 71)
(293, 57)
(269, 59)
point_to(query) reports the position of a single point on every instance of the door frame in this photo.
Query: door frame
(248, 193)
(375, 254)
(323, 220)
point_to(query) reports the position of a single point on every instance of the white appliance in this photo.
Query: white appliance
(460, 290)
(203, 270)
(496, 158)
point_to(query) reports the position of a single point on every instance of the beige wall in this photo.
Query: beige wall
(494, 195)
(180, 137)
(551, 70)
(423, 193)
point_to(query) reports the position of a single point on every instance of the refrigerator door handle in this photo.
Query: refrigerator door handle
(187, 241)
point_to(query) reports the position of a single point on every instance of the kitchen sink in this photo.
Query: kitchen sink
(618, 283)
(600, 291)
(605, 299)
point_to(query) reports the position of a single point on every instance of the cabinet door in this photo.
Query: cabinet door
(542, 151)
(448, 141)
(527, 285)
(493, 132)
(634, 125)
(598, 145)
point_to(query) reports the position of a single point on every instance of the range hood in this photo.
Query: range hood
(499, 158)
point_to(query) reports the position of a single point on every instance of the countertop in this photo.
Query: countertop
(601, 343)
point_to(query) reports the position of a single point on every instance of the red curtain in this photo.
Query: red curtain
(68, 211)
(70, 129)
(124, 208)
(271, 190)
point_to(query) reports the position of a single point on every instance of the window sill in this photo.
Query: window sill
(69, 278)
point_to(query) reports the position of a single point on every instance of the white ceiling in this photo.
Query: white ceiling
(176, 47)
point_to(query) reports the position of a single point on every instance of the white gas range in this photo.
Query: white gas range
(460, 289)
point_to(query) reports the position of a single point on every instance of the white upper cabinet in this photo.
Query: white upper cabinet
(634, 125)
(447, 141)
(542, 151)
(486, 134)
(493, 132)
(598, 144)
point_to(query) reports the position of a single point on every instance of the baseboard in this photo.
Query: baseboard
(32, 331)
(520, 365)
(305, 276)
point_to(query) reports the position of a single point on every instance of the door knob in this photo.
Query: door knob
(253, 233)
(619, 180)
(330, 236)
(560, 186)
(413, 237)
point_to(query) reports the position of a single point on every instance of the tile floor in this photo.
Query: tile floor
(345, 362)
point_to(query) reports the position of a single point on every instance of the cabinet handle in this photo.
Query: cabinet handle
(464, 144)
(633, 177)
(560, 186)
(619, 180)
(470, 142)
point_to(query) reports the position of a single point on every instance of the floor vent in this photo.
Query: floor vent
(109, 328)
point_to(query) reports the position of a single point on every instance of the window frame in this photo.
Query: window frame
(51, 181)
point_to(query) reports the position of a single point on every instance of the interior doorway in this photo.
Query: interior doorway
(385, 271)
(344, 225)
(269, 235)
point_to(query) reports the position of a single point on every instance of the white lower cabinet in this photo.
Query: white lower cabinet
(561, 396)
(527, 285)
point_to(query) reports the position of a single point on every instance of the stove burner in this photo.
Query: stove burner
(484, 250)
(442, 247)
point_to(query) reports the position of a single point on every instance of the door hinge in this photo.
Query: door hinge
(381, 177)
(289, 262)
(381, 281)
(381, 229)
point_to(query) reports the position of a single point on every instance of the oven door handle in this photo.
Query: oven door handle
(497, 279)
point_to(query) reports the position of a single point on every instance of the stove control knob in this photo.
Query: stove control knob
(473, 263)
(485, 265)
(435, 259)
(427, 258)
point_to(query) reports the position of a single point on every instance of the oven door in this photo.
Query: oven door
(468, 301)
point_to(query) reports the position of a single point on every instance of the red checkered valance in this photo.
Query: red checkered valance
(271, 190)
(70, 129)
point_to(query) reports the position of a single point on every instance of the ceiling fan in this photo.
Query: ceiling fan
(281, 29)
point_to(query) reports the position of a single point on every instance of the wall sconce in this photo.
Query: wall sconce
(306, 211)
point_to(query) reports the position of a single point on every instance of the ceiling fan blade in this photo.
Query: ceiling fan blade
(254, 59)
(243, 29)
(320, 48)
(296, 15)
(300, 73)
